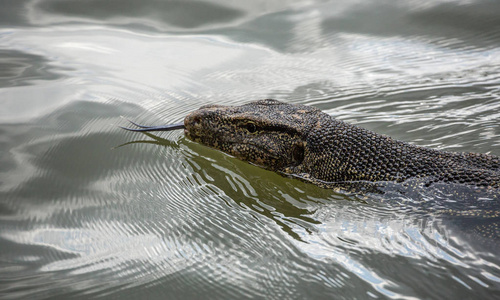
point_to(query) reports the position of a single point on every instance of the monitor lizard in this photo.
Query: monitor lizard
(304, 142)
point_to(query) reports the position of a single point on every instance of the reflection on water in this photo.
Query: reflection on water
(18, 69)
(182, 14)
(88, 210)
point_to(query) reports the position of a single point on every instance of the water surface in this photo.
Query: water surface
(84, 216)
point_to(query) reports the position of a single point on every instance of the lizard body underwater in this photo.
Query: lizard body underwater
(304, 142)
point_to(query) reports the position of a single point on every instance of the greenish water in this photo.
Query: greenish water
(84, 216)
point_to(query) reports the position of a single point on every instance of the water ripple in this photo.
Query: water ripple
(89, 210)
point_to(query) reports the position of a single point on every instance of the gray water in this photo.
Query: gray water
(88, 210)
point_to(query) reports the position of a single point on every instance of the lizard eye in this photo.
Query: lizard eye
(251, 127)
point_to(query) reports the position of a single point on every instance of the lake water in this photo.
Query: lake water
(88, 210)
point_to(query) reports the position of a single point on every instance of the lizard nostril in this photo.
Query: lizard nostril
(196, 121)
(193, 120)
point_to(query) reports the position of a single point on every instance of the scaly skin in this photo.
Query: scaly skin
(302, 141)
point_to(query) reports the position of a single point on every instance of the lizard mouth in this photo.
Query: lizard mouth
(250, 146)
(242, 150)
(261, 156)
(204, 138)
(188, 134)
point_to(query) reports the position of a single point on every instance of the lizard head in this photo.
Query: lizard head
(267, 133)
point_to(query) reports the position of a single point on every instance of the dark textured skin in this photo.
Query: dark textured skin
(302, 141)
